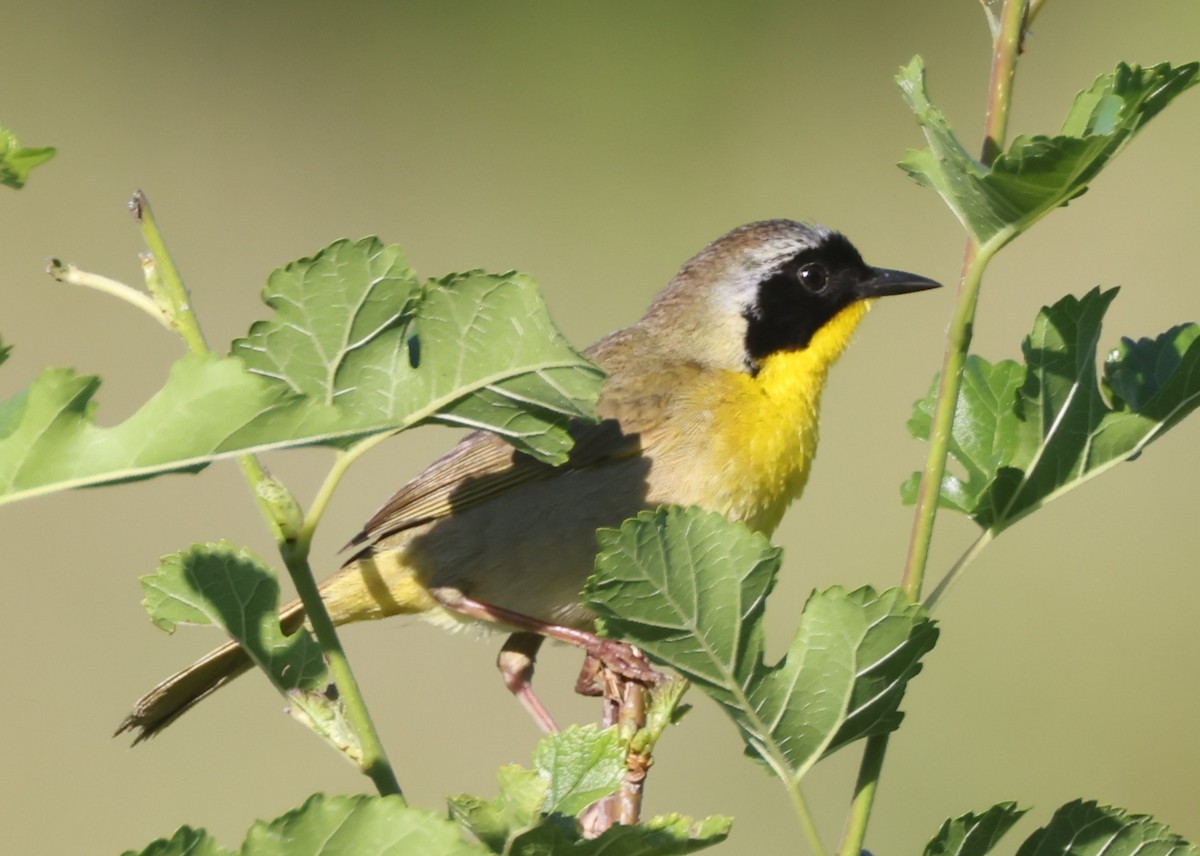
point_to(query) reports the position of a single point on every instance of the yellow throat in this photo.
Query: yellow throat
(768, 433)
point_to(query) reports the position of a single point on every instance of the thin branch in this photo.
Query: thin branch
(1005, 52)
(985, 538)
(71, 275)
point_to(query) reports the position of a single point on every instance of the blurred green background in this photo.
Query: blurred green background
(596, 146)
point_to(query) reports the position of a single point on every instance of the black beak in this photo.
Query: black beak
(883, 282)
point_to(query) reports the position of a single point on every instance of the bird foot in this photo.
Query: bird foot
(608, 664)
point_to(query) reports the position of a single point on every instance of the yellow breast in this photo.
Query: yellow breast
(765, 426)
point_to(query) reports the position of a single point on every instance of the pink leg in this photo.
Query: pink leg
(515, 662)
(621, 658)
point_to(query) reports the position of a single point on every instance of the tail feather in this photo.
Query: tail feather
(173, 697)
(169, 700)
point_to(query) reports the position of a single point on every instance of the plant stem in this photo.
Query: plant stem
(168, 289)
(178, 303)
(957, 343)
(375, 763)
(1006, 49)
(341, 463)
(864, 796)
(1005, 52)
(1035, 6)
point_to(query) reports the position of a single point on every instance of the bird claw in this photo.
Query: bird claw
(624, 660)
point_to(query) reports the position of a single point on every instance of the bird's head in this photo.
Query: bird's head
(770, 287)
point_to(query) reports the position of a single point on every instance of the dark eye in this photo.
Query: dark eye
(812, 276)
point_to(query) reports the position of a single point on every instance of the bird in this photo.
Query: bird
(711, 399)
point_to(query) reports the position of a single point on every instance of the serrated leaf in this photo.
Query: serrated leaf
(572, 769)
(1088, 829)
(16, 162)
(495, 822)
(974, 834)
(382, 345)
(522, 791)
(1139, 373)
(895, 639)
(487, 820)
(688, 587)
(357, 348)
(231, 588)
(1026, 434)
(533, 816)
(984, 430)
(362, 825)
(1037, 173)
(185, 842)
(328, 309)
(579, 765)
(669, 835)
(384, 826)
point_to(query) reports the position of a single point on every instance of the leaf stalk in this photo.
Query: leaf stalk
(977, 546)
(71, 275)
(804, 813)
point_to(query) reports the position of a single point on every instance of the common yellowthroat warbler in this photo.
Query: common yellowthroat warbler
(711, 399)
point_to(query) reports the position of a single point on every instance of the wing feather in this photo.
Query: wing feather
(482, 466)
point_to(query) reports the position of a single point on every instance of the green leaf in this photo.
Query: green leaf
(1026, 434)
(1088, 829)
(579, 765)
(231, 588)
(495, 822)
(381, 346)
(984, 432)
(489, 821)
(16, 162)
(328, 310)
(362, 825)
(573, 769)
(893, 637)
(356, 348)
(185, 842)
(384, 826)
(1037, 173)
(1140, 375)
(974, 834)
(689, 587)
(660, 836)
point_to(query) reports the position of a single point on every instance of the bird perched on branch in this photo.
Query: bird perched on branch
(711, 399)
